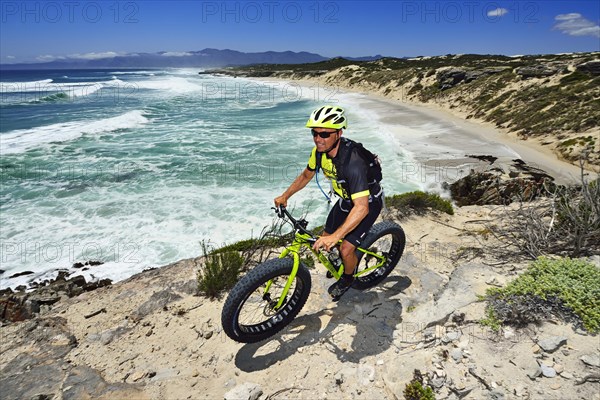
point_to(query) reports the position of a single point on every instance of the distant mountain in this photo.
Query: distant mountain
(207, 58)
(366, 58)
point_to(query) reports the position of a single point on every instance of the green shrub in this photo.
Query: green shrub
(419, 202)
(565, 287)
(414, 390)
(219, 271)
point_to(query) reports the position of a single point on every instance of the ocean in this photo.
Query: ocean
(136, 168)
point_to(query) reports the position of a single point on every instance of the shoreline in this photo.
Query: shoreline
(470, 136)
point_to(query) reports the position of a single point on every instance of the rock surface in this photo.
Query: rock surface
(156, 340)
(500, 186)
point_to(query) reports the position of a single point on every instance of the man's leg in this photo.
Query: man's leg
(348, 253)
(348, 250)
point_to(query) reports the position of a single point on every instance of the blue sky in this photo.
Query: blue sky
(48, 30)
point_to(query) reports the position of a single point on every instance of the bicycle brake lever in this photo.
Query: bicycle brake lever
(278, 211)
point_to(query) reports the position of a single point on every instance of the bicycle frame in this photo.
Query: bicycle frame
(306, 239)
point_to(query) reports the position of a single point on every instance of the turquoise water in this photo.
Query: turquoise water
(137, 168)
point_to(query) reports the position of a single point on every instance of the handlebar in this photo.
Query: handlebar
(299, 225)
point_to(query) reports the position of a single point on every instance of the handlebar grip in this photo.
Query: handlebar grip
(279, 210)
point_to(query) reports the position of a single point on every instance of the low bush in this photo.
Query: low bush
(566, 288)
(419, 202)
(218, 271)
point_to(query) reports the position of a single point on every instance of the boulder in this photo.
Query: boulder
(21, 305)
(540, 70)
(448, 78)
(494, 186)
(592, 67)
(157, 301)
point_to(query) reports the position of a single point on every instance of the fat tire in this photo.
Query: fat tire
(398, 243)
(248, 284)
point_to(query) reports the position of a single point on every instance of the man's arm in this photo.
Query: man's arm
(300, 182)
(359, 211)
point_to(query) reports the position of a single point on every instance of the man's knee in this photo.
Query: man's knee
(347, 248)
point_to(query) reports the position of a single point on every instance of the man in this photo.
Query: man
(360, 202)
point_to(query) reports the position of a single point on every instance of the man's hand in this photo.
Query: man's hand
(326, 242)
(281, 201)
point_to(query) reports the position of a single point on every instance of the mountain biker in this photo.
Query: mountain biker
(360, 199)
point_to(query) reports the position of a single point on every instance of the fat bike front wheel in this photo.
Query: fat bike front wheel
(250, 313)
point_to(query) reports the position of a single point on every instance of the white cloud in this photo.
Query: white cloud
(94, 56)
(176, 54)
(575, 24)
(49, 57)
(498, 12)
(11, 57)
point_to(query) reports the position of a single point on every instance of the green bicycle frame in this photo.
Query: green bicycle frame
(303, 239)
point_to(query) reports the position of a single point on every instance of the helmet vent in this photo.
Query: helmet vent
(318, 114)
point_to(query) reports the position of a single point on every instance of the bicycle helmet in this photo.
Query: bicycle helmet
(328, 117)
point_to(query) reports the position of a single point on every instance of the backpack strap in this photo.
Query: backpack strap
(319, 156)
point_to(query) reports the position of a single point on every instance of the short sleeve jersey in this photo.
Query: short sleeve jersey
(349, 183)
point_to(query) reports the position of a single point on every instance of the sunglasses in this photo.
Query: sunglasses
(323, 135)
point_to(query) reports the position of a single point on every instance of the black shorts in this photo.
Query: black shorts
(340, 211)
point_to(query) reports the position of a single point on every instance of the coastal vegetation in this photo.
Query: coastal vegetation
(219, 271)
(419, 202)
(566, 288)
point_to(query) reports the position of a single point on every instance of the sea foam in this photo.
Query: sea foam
(21, 140)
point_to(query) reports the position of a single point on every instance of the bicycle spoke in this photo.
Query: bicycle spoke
(260, 306)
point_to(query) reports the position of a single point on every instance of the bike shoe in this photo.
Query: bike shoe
(339, 288)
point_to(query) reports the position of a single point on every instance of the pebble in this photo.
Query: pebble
(551, 344)
(566, 375)
(559, 368)
(509, 332)
(535, 349)
(555, 386)
(535, 373)
(137, 375)
(456, 355)
(548, 372)
(451, 336)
